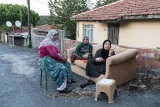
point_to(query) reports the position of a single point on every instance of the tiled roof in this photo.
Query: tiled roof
(45, 27)
(121, 8)
(19, 30)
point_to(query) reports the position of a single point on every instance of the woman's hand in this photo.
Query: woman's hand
(99, 59)
(111, 51)
(85, 56)
(64, 60)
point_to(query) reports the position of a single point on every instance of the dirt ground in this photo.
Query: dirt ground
(146, 81)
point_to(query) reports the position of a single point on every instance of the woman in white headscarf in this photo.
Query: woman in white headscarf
(53, 63)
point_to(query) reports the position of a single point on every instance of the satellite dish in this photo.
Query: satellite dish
(9, 24)
(18, 23)
(89, 4)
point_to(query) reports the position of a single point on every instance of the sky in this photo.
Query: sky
(39, 6)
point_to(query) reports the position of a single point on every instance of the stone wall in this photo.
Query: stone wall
(147, 59)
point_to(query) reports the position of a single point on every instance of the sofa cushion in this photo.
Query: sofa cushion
(95, 48)
(80, 63)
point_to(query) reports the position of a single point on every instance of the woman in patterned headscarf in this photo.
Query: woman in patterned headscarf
(53, 63)
(83, 51)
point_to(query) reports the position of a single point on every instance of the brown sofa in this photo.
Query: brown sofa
(120, 67)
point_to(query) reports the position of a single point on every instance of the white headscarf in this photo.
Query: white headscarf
(49, 39)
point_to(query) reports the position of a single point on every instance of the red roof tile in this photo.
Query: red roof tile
(121, 8)
(19, 30)
(45, 27)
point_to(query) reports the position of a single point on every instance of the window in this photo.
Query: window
(88, 31)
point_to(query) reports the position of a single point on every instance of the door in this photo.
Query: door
(113, 32)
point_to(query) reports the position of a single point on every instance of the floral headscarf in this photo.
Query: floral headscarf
(49, 39)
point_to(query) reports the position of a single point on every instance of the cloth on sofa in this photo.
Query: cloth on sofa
(80, 63)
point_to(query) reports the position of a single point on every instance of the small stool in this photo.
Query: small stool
(107, 86)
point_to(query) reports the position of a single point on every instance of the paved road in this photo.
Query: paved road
(19, 85)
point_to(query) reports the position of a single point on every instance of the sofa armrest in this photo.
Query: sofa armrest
(70, 51)
(122, 57)
(122, 67)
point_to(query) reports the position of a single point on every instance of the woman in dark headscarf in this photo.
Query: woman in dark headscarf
(97, 65)
(83, 50)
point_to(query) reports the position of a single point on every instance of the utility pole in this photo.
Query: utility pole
(21, 20)
(29, 25)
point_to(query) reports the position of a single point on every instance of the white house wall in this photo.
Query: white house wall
(100, 31)
(140, 34)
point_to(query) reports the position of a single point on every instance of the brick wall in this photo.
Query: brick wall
(147, 59)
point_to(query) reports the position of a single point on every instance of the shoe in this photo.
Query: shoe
(84, 85)
(66, 90)
(89, 82)
(71, 81)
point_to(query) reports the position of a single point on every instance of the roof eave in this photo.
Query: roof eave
(145, 16)
(125, 17)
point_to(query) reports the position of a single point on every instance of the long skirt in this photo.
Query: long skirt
(58, 71)
(95, 69)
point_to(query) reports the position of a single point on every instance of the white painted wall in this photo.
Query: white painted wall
(100, 31)
(144, 33)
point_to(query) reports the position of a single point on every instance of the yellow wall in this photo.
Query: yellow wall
(100, 31)
(140, 33)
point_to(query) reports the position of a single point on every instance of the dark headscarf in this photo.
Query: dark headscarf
(104, 52)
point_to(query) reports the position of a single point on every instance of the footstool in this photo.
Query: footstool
(107, 86)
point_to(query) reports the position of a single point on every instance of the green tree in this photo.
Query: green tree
(10, 12)
(62, 10)
(44, 20)
(104, 2)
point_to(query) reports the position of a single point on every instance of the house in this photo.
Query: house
(43, 29)
(23, 30)
(133, 23)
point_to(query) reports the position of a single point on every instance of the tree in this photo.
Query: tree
(104, 2)
(62, 10)
(10, 12)
(44, 20)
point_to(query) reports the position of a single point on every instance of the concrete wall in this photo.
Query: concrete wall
(37, 39)
(144, 33)
(3, 38)
(100, 31)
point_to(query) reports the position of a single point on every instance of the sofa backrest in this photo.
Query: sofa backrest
(117, 49)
